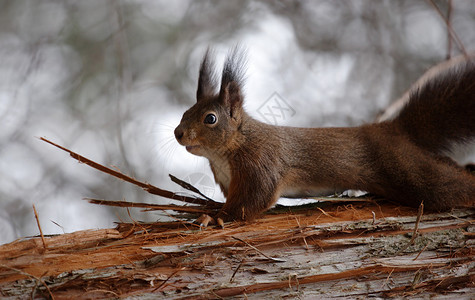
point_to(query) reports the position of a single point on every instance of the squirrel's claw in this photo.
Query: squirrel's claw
(204, 220)
(220, 222)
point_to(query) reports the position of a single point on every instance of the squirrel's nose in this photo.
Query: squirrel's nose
(178, 133)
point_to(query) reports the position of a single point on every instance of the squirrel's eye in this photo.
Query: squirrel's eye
(210, 119)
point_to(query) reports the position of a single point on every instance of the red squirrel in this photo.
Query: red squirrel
(402, 159)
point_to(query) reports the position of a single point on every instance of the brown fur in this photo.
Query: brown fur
(256, 163)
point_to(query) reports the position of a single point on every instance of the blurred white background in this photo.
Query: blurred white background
(111, 79)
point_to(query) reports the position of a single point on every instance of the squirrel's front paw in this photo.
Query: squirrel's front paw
(204, 220)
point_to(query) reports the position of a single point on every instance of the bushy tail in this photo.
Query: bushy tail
(442, 112)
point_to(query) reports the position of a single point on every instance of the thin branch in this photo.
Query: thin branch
(452, 32)
(418, 220)
(416, 228)
(235, 271)
(148, 206)
(146, 186)
(449, 37)
(188, 186)
(39, 227)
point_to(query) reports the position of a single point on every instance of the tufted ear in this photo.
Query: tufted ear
(232, 79)
(231, 98)
(207, 81)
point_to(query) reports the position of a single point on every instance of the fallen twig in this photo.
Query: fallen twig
(148, 206)
(188, 186)
(416, 228)
(235, 271)
(39, 227)
(146, 186)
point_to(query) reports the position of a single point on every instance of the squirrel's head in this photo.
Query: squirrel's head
(212, 123)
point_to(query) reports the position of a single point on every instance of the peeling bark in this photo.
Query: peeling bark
(339, 252)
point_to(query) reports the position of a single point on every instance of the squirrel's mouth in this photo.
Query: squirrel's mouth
(191, 148)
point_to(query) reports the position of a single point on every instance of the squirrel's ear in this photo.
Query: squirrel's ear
(231, 98)
(207, 79)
